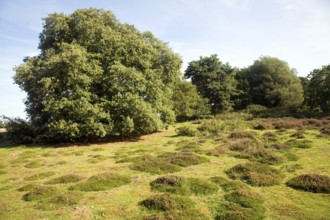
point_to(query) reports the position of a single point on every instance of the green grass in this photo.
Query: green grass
(230, 171)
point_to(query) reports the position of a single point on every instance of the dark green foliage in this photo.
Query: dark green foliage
(255, 174)
(318, 89)
(19, 130)
(96, 77)
(70, 178)
(187, 103)
(155, 166)
(102, 181)
(40, 175)
(184, 158)
(27, 187)
(272, 83)
(40, 192)
(311, 182)
(166, 202)
(214, 81)
(187, 131)
(239, 134)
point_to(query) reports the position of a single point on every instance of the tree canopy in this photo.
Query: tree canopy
(271, 83)
(214, 80)
(318, 89)
(97, 77)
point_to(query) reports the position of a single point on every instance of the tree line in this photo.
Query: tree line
(96, 77)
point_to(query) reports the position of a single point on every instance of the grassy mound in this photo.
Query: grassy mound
(255, 174)
(184, 158)
(299, 143)
(103, 181)
(40, 175)
(242, 144)
(182, 186)
(233, 211)
(155, 167)
(63, 200)
(226, 184)
(311, 182)
(26, 187)
(70, 178)
(40, 192)
(166, 202)
(34, 164)
(218, 151)
(179, 215)
(239, 134)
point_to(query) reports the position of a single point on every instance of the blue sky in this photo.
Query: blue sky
(239, 31)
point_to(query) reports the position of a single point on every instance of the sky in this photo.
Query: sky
(239, 31)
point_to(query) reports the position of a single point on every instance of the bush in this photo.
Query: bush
(211, 127)
(166, 202)
(40, 175)
(187, 131)
(70, 178)
(103, 181)
(255, 109)
(19, 131)
(311, 182)
(255, 174)
(40, 192)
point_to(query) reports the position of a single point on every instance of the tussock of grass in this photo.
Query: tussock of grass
(218, 151)
(27, 187)
(40, 192)
(34, 164)
(63, 200)
(234, 211)
(182, 186)
(311, 182)
(185, 158)
(270, 136)
(242, 144)
(166, 202)
(103, 181)
(226, 184)
(239, 134)
(299, 134)
(299, 143)
(179, 215)
(70, 178)
(155, 166)
(97, 158)
(40, 175)
(255, 174)
(244, 197)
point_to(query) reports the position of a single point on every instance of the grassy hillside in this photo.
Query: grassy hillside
(226, 168)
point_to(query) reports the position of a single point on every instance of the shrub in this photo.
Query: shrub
(184, 158)
(166, 202)
(40, 175)
(40, 192)
(187, 131)
(255, 109)
(211, 127)
(155, 166)
(264, 156)
(255, 174)
(311, 182)
(239, 134)
(189, 146)
(103, 181)
(19, 130)
(70, 178)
